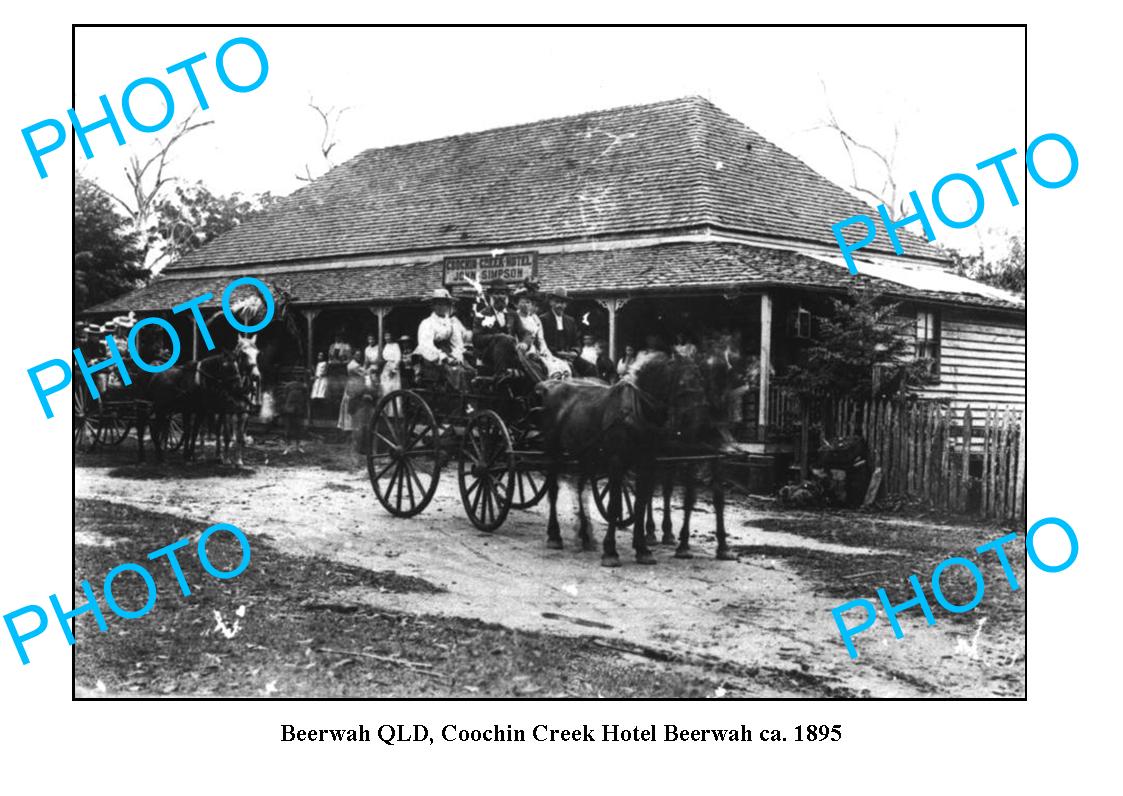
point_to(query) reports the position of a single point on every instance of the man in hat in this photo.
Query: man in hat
(440, 343)
(562, 335)
(494, 320)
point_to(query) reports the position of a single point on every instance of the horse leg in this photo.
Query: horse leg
(226, 423)
(645, 490)
(609, 557)
(214, 426)
(668, 491)
(553, 532)
(141, 422)
(189, 421)
(649, 513)
(718, 486)
(158, 430)
(688, 498)
(240, 422)
(587, 544)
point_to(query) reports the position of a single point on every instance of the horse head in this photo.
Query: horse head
(669, 395)
(246, 353)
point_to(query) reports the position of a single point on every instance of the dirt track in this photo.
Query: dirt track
(770, 609)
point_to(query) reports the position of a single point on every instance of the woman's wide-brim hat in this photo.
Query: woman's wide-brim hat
(440, 295)
(525, 293)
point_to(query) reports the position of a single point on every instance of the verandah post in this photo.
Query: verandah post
(765, 364)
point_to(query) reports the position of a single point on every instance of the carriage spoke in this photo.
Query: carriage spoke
(382, 472)
(392, 439)
(414, 477)
(389, 444)
(393, 479)
(476, 447)
(417, 439)
(477, 498)
(489, 498)
(472, 487)
(409, 483)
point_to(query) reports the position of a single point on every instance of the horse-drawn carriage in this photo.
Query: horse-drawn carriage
(488, 430)
(492, 431)
(108, 420)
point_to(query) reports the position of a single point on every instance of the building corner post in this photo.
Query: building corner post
(765, 364)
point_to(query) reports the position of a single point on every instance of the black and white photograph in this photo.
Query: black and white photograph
(483, 398)
(630, 368)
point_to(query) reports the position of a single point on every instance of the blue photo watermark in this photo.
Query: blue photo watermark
(21, 636)
(920, 600)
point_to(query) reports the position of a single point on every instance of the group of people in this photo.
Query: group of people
(549, 345)
(534, 326)
(373, 370)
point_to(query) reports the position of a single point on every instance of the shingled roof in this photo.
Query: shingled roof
(676, 165)
(679, 267)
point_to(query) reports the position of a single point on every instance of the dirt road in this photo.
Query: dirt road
(769, 609)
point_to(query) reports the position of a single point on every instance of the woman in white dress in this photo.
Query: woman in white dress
(320, 383)
(391, 358)
(356, 385)
(532, 344)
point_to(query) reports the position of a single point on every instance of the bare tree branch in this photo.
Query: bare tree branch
(888, 194)
(330, 120)
(146, 189)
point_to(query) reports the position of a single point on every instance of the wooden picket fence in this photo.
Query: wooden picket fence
(976, 464)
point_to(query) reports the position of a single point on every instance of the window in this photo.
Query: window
(928, 340)
(799, 324)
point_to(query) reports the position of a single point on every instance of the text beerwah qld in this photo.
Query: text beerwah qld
(116, 360)
(920, 215)
(91, 606)
(921, 601)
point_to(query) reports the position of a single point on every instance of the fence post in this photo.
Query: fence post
(1019, 491)
(965, 461)
(985, 504)
(1011, 463)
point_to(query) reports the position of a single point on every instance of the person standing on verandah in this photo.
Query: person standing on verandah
(390, 356)
(356, 386)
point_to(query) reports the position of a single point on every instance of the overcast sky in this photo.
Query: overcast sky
(957, 96)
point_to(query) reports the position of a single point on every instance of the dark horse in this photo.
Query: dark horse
(200, 390)
(658, 410)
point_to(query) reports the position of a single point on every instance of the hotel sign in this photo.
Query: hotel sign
(483, 268)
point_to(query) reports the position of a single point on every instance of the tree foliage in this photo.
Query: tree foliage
(1007, 271)
(193, 216)
(108, 255)
(863, 349)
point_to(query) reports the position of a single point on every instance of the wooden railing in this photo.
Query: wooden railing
(973, 464)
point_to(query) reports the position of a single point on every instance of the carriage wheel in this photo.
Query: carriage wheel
(112, 428)
(600, 497)
(530, 486)
(530, 481)
(487, 469)
(174, 437)
(403, 458)
(85, 431)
